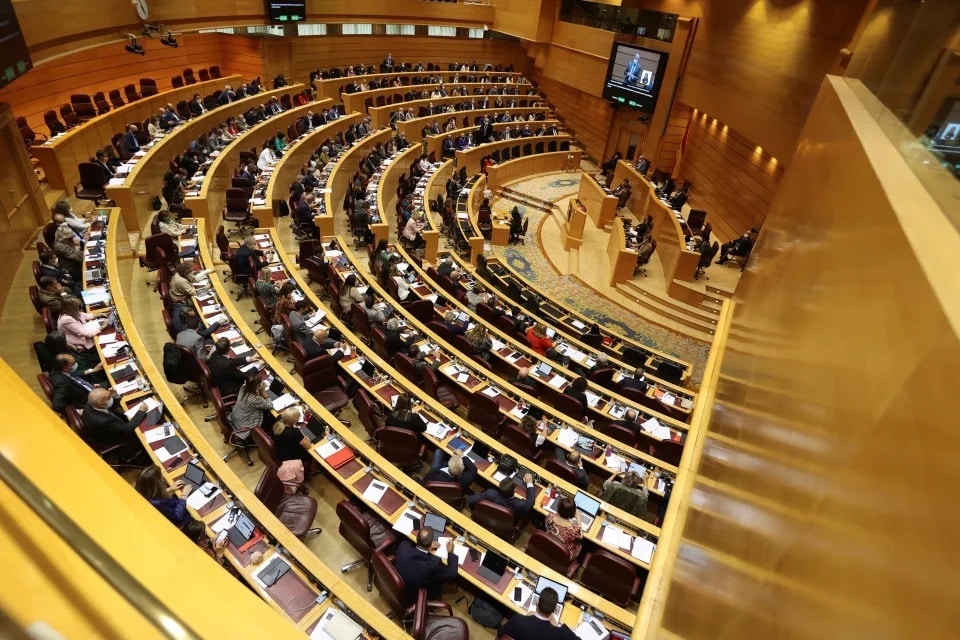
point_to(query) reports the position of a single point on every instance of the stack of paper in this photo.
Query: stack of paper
(668, 399)
(557, 381)
(113, 348)
(459, 550)
(107, 338)
(438, 431)
(151, 402)
(592, 399)
(375, 491)
(283, 402)
(567, 437)
(126, 387)
(491, 392)
(407, 521)
(643, 549)
(336, 625)
(591, 629)
(616, 537)
(197, 500)
(614, 462)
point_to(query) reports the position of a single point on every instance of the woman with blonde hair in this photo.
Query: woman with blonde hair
(290, 442)
(479, 340)
(266, 289)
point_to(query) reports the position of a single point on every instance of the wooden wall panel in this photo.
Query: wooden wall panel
(585, 116)
(323, 52)
(109, 67)
(733, 180)
(824, 503)
(673, 136)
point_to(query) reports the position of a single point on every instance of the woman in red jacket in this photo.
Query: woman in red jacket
(539, 342)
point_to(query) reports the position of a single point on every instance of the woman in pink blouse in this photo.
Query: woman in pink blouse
(78, 327)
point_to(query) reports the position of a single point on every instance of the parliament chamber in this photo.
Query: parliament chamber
(479, 318)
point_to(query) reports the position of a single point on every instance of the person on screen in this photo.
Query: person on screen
(633, 71)
(646, 80)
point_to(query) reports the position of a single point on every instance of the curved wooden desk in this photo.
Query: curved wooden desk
(218, 177)
(60, 156)
(387, 198)
(347, 164)
(614, 343)
(146, 178)
(601, 204)
(679, 263)
(360, 101)
(288, 167)
(500, 174)
(436, 185)
(304, 563)
(333, 87)
(435, 142)
(470, 159)
(380, 116)
(412, 129)
(369, 466)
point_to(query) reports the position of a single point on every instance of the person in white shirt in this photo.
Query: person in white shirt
(266, 157)
(403, 288)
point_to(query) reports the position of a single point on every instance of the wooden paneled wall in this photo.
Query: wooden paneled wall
(673, 137)
(310, 53)
(584, 115)
(734, 180)
(824, 505)
(109, 67)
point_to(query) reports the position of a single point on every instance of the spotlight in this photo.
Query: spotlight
(169, 40)
(133, 47)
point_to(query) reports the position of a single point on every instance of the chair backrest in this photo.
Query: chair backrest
(569, 405)
(91, 176)
(266, 449)
(399, 446)
(497, 519)
(204, 75)
(361, 324)
(363, 403)
(619, 433)
(602, 376)
(433, 626)
(406, 367)
(222, 409)
(389, 583)
(561, 469)
(45, 385)
(667, 450)
(176, 81)
(355, 528)
(422, 310)
(609, 576)
(547, 548)
(270, 489)
(518, 440)
(449, 492)
(484, 412)
(35, 298)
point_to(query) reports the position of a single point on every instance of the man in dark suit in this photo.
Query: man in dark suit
(629, 421)
(420, 568)
(457, 468)
(504, 496)
(395, 342)
(573, 461)
(49, 267)
(101, 161)
(632, 73)
(70, 387)
(225, 371)
(129, 144)
(638, 381)
(485, 133)
(321, 343)
(105, 427)
(196, 105)
(542, 625)
(226, 96)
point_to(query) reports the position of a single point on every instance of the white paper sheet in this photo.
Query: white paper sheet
(283, 402)
(375, 491)
(557, 381)
(643, 549)
(567, 437)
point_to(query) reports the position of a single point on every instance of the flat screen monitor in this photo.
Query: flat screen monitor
(585, 503)
(14, 57)
(280, 11)
(634, 76)
(544, 583)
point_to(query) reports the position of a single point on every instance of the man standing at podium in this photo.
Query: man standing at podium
(633, 71)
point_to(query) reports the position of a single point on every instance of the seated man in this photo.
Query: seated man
(523, 377)
(638, 381)
(51, 294)
(225, 371)
(395, 340)
(191, 336)
(573, 460)
(50, 266)
(503, 495)
(627, 492)
(70, 384)
(740, 247)
(453, 325)
(419, 568)
(458, 469)
(107, 427)
(542, 625)
(321, 343)
(299, 330)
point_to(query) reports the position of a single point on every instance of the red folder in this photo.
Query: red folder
(340, 458)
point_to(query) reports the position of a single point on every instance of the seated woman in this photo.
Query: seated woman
(181, 284)
(290, 442)
(538, 340)
(150, 485)
(285, 302)
(266, 289)
(350, 293)
(77, 326)
(413, 228)
(479, 340)
(252, 403)
(565, 526)
(403, 287)
(627, 492)
(404, 418)
(477, 295)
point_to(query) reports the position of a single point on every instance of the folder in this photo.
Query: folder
(341, 457)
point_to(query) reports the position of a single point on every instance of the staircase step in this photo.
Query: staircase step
(696, 313)
(700, 329)
(720, 293)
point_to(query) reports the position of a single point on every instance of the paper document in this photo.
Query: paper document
(438, 431)
(250, 367)
(329, 448)
(491, 392)
(126, 387)
(616, 537)
(197, 500)
(355, 366)
(107, 338)
(407, 521)
(375, 491)
(229, 334)
(95, 296)
(336, 625)
(643, 549)
(159, 433)
(316, 318)
(579, 325)
(567, 437)
(592, 399)
(614, 462)
(495, 345)
(223, 523)
(283, 402)
(668, 399)
(459, 550)
(591, 629)
(616, 412)
(432, 298)
(525, 592)
(152, 403)
(557, 381)
(240, 349)
(463, 377)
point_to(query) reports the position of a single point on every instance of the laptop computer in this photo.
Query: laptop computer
(479, 451)
(274, 570)
(313, 430)
(546, 583)
(544, 369)
(493, 567)
(276, 388)
(241, 531)
(194, 475)
(367, 369)
(587, 509)
(435, 522)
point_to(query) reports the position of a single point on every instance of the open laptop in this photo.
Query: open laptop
(546, 583)
(194, 475)
(493, 567)
(544, 369)
(313, 430)
(479, 451)
(587, 509)
(241, 531)
(276, 389)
